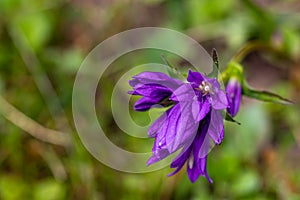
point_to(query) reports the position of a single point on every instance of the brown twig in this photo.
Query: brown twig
(30, 126)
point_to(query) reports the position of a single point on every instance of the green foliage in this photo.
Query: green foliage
(49, 190)
(61, 34)
(205, 11)
(13, 188)
(36, 27)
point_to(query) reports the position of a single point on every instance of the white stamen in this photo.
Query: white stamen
(206, 88)
(191, 161)
(159, 144)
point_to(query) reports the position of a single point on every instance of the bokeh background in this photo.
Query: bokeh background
(42, 45)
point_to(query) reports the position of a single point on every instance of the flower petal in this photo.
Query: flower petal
(159, 150)
(202, 165)
(158, 124)
(192, 169)
(145, 103)
(196, 164)
(216, 128)
(195, 77)
(182, 128)
(153, 90)
(173, 125)
(201, 141)
(154, 77)
(184, 93)
(196, 168)
(163, 132)
(200, 109)
(179, 161)
(219, 100)
(158, 156)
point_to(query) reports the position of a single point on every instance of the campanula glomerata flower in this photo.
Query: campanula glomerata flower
(192, 120)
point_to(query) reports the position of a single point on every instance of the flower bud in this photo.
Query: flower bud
(234, 94)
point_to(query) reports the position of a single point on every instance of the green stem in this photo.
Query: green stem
(251, 47)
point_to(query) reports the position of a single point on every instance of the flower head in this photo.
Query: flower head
(191, 121)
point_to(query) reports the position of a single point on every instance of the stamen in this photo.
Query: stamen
(159, 144)
(205, 88)
(191, 161)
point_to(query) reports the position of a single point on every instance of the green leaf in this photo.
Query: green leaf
(266, 96)
(229, 118)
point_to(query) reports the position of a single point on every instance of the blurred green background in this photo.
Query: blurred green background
(42, 44)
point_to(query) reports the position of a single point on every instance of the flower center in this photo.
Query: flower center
(205, 87)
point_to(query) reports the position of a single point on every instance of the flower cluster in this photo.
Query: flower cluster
(192, 120)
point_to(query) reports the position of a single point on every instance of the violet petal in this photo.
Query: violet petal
(200, 109)
(195, 77)
(145, 103)
(216, 128)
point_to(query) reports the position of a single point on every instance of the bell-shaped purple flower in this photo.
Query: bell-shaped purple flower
(189, 124)
(234, 95)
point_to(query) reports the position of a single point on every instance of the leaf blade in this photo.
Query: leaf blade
(267, 96)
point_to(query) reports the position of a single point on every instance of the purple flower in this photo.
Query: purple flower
(192, 120)
(234, 94)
